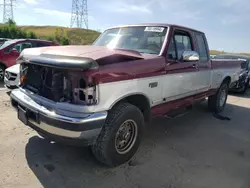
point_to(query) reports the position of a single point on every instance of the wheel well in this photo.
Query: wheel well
(2, 64)
(227, 80)
(141, 102)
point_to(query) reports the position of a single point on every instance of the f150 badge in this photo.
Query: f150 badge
(153, 84)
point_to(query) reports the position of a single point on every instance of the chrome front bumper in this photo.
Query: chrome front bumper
(53, 125)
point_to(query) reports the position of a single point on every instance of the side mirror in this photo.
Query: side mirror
(189, 56)
(14, 51)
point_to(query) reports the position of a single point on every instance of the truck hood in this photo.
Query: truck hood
(77, 57)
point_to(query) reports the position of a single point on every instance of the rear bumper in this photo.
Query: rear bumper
(76, 131)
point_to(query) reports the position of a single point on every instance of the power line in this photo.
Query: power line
(79, 14)
(7, 10)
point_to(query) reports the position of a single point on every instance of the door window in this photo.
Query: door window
(179, 43)
(202, 47)
(20, 46)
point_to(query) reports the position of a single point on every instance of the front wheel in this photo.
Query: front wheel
(217, 102)
(120, 136)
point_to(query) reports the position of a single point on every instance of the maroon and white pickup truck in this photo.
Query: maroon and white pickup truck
(102, 95)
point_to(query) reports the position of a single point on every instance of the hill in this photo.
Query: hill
(78, 36)
(215, 52)
(75, 35)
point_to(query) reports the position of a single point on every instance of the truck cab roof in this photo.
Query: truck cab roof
(158, 25)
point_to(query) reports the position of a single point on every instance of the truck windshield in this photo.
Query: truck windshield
(144, 39)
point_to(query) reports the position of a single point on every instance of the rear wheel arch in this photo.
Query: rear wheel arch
(3, 64)
(227, 80)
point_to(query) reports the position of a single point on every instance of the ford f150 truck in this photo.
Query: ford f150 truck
(102, 95)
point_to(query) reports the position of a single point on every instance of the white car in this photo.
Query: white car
(12, 77)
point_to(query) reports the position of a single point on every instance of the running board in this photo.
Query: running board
(178, 112)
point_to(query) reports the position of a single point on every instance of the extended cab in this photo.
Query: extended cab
(102, 95)
(11, 49)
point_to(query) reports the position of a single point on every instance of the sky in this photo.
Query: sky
(226, 23)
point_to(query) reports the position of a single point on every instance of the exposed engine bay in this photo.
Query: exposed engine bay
(59, 85)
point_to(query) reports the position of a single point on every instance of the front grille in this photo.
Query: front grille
(10, 76)
(45, 81)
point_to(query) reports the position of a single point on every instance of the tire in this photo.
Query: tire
(2, 70)
(105, 148)
(214, 102)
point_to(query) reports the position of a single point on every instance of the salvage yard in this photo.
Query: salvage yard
(195, 150)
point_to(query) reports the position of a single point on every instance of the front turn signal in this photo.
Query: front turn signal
(23, 79)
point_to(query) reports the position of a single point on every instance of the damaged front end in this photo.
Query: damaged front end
(60, 79)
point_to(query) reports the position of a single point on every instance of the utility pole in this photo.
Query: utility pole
(7, 10)
(79, 14)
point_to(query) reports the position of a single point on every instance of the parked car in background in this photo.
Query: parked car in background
(102, 95)
(242, 83)
(2, 40)
(10, 50)
(12, 77)
(212, 56)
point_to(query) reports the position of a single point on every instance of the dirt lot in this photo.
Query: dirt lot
(196, 150)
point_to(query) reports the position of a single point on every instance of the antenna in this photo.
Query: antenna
(7, 10)
(79, 14)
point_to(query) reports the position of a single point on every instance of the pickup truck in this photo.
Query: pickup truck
(102, 95)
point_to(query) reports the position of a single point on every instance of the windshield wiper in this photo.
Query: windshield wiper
(148, 53)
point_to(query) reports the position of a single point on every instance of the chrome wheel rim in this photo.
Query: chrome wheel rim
(223, 97)
(1, 74)
(126, 136)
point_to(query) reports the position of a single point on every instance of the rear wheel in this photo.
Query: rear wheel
(120, 136)
(2, 70)
(217, 102)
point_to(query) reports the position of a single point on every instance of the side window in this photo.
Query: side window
(183, 43)
(17, 47)
(180, 42)
(202, 47)
(20, 47)
(41, 44)
(26, 45)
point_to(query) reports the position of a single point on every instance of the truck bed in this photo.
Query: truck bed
(227, 63)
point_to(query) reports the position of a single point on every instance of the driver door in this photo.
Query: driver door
(180, 79)
(13, 52)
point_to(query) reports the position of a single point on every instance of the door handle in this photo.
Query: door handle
(195, 66)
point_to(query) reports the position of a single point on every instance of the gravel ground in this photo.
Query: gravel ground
(195, 150)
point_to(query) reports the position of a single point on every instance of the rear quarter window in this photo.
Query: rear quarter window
(202, 47)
